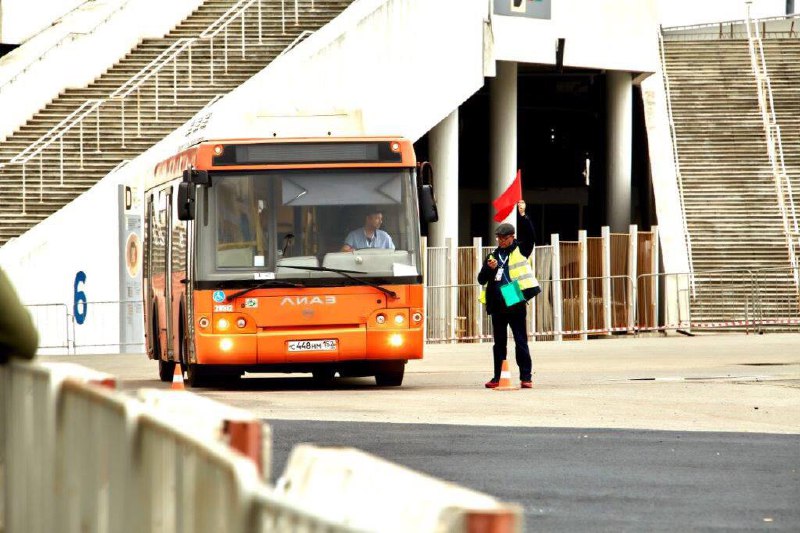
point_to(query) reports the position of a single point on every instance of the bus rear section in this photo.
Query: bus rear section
(286, 256)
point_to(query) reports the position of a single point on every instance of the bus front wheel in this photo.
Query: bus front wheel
(196, 375)
(391, 374)
(166, 370)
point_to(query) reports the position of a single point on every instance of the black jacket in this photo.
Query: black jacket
(526, 236)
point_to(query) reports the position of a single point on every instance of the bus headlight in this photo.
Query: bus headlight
(380, 319)
(241, 322)
(223, 324)
(225, 345)
(399, 319)
(396, 340)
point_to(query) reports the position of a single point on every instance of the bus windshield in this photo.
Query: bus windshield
(268, 225)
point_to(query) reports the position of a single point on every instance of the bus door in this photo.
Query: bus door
(166, 204)
(151, 329)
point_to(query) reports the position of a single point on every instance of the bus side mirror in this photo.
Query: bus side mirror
(427, 201)
(427, 204)
(186, 198)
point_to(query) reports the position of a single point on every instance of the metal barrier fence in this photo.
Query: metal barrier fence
(582, 307)
(102, 326)
(746, 299)
(568, 308)
(563, 310)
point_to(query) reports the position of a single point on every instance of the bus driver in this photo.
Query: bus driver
(370, 236)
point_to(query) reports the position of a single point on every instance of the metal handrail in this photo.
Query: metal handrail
(152, 69)
(303, 35)
(727, 23)
(146, 72)
(56, 133)
(676, 160)
(119, 165)
(774, 144)
(134, 84)
(229, 16)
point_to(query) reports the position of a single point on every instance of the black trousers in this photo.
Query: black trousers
(517, 321)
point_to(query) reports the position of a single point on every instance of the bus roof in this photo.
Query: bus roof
(282, 153)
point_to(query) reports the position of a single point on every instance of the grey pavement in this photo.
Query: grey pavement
(619, 434)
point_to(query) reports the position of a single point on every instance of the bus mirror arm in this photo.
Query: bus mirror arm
(197, 177)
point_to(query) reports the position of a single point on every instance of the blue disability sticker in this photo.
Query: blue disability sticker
(219, 296)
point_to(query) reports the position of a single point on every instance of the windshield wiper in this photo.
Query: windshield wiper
(346, 273)
(268, 283)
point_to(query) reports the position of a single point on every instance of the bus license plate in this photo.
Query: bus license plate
(320, 345)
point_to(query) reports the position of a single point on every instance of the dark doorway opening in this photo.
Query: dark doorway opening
(561, 147)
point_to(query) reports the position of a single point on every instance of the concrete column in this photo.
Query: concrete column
(503, 134)
(443, 139)
(619, 132)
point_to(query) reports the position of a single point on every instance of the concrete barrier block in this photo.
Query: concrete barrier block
(238, 428)
(366, 492)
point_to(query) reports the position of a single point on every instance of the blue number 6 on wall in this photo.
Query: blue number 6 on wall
(80, 306)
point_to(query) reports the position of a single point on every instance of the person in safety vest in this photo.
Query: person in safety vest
(506, 266)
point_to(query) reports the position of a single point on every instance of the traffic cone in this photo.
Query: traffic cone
(177, 378)
(505, 378)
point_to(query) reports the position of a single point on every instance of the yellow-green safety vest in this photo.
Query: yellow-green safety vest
(519, 270)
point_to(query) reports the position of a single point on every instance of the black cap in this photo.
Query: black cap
(504, 229)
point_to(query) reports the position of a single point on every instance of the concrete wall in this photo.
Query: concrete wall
(605, 34)
(392, 61)
(21, 19)
(73, 53)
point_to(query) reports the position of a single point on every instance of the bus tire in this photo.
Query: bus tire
(166, 370)
(323, 376)
(196, 375)
(391, 375)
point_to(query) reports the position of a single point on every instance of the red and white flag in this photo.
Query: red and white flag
(505, 203)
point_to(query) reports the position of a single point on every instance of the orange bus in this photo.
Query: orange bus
(258, 258)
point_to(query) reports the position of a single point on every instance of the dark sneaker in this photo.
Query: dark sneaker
(527, 384)
(492, 384)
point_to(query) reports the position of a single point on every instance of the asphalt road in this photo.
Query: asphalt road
(619, 434)
(572, 479)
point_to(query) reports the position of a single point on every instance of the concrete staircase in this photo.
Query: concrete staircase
(782, 56)
(45, 196)
(729, 192)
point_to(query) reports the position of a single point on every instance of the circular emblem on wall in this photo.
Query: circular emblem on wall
(132, 255)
